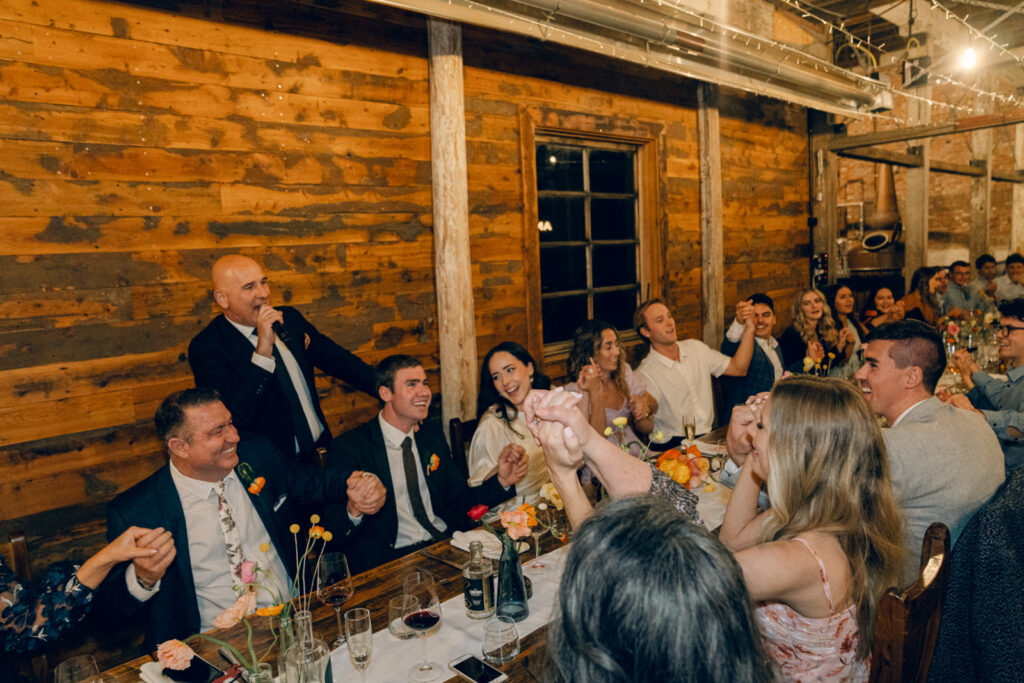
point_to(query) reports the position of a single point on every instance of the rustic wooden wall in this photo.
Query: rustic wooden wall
(138, 145)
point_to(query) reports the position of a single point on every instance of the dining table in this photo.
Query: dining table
(375, 588)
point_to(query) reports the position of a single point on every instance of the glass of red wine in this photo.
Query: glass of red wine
(422, 613)
(334, 587)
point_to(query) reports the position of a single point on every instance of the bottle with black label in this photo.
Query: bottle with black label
(477, 587)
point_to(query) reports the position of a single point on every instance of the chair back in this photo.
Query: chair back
(460, 434)
(15, 553)
(907, 623)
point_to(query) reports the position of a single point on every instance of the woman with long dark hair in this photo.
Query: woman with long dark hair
(841, 302)
(922, 303)
(507, 375)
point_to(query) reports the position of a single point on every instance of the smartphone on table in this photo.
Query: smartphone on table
(476, 670)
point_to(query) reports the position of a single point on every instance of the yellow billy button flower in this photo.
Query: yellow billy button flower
(315, 519)
(264, 547)
(607, 431)
(620, 421)
(658, 435)
(294, 528)
(328, 536)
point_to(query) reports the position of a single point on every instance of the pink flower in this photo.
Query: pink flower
(174, 654)
(243, 606)
(953, 329)
(248, 571)
(477, 512)
(516, 523)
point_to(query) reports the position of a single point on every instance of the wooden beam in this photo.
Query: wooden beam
(885, 156)
(711, 240)
(824, 191)
(453, 271)
(1017, 200)
(928, 131)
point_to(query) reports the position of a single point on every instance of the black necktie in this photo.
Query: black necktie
(412, 482)
(303, 436)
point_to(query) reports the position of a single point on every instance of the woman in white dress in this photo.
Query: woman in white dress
(507, 375)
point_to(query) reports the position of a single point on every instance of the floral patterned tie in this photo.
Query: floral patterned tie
(232, 538)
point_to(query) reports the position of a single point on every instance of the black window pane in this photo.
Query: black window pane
(611, 171)
(562, 316)
(613, 307)
(564, 216)
(614, 265)
(563, 269)
(612, 219)
(559, 168)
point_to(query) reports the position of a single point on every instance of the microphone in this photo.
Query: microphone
(281, 333)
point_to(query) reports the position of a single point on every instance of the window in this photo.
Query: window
(587, 220)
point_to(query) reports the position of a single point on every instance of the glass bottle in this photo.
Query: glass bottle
(476, 583)
(306, 660)
(511, 588)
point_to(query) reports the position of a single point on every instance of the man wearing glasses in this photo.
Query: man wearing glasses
(1000, 401)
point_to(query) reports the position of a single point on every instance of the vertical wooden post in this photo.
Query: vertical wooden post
(981, 194)
(1017, 202)
(915, 214)
(824, 184)
(712, 255)
(453, 272)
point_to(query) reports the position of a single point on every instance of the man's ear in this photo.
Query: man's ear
(385, 394)
(177, 446)
(221, 298)
(644, 332)
(914, 376)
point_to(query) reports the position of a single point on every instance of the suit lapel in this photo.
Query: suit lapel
(169, 504)
(425, 448)
(239, 349)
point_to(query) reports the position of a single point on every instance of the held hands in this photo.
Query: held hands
(267, 316)
(745, 313)
(512, 464)
(366, 494)
(150, 569)
(562, 449)
(556, 406)
(638, 407)
(962, 402)
(122, 549)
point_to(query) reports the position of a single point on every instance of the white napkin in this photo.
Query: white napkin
(710, 448)
(153, 672)
(492, 546)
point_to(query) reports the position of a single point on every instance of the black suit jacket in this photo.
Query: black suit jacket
(362, 448)
(760, 376)
(154, 502)
(221, 359)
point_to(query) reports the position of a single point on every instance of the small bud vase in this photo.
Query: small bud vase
(511, 588)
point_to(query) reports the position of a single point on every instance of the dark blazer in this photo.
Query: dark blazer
(153, 502)
(451, 497)
(221, 358)
(760, 375)
(794, 350)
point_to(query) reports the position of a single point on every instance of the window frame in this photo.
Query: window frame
(645, 138)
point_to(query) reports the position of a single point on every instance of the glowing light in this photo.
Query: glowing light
(968, 58)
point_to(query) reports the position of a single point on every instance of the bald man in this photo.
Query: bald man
(261, 359)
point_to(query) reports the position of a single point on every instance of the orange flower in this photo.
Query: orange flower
(271, 611)
(255, 489)
(316, 532)
(531, 514)
(516, 523)
(174, 654)
(670, 454)
(693, 451)
(434, 462)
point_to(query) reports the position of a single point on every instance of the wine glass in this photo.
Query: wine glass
(334, 587)
(80, 669)
(689, 428)
(422, 613)
(359, 634)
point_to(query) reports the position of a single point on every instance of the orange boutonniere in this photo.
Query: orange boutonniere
(434, 462)
(257, 485)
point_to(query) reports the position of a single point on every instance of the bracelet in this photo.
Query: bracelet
(145, 586)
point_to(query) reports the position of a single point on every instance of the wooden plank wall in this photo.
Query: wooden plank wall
(138, 145)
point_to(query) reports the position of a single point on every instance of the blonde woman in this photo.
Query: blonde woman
(819, 559)
(812, 334)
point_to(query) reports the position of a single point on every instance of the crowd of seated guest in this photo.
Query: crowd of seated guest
(814, 560)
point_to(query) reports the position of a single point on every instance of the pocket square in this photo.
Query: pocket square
(280, 501)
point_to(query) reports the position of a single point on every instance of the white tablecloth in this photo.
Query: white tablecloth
(392, 658)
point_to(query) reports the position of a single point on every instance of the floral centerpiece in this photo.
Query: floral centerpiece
(819, 368)
(177, 655)
(688, 468)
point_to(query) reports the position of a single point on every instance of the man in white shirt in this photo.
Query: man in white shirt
(428, 498)
(944, 462)
(678, 373)
(226, 502)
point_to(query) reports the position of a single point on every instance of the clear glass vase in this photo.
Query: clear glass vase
(285, 639)
(307, 659)
(511, 588)
(262, 674)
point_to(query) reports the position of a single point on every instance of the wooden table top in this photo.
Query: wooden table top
(374, 589)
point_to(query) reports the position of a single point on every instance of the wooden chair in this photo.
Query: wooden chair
(15, 554)
(907, 623)
(460, 434)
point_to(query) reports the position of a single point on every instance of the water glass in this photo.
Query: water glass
(501, 641)
(80, 669)
(396, 619)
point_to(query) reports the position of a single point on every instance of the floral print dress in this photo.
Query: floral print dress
(32, 616)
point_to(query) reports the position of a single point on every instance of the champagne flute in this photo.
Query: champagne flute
(359, 634)
(422, 613)
(689, 428)
(334, 587)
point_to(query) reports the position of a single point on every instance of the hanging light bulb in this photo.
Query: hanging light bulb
(968, 58)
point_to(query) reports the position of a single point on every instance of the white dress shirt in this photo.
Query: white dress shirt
(409, 530)
(211, 571)
(294, 371)
(683, 387)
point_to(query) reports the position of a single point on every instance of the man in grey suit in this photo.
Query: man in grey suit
(945, 462)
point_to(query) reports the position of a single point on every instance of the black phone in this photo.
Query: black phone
(476, 670)
(199, 671)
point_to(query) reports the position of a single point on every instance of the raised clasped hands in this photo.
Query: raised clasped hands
(558, 426)
(965, 363)
(513, 464)
(366, 494)
(150, 568)
(745, 313)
